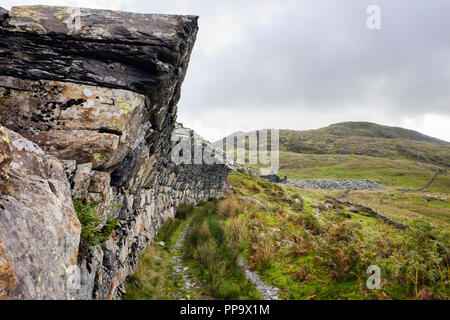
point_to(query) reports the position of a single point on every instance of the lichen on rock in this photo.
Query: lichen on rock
(39, 230)
(96, 107)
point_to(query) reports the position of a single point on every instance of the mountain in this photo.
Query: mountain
(364, 138)
(391, 156)
(369, 139)
(373, 130)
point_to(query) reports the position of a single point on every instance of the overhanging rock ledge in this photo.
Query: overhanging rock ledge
(97, 92)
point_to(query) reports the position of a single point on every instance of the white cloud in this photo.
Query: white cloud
(430, 124)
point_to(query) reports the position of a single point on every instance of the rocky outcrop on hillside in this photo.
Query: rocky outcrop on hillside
(94, 92)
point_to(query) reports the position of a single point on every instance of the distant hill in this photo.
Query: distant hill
(366, 139)
(373, 130)
(369, 139)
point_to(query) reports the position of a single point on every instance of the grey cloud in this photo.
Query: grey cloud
(330, 60)
(308, 63)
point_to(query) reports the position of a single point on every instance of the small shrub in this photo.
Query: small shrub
(184, 211)
(307, 221)
(341, 259)
(6, 92)
(93, 232)
(252, 187)
(279, 211)
(426, 262)
(209, 207)
(300, 247)
(264, 254)
(228, 207)
(301, 274)
(298, 203)
(340, 253)
(237, 231)
(276, 192)
(344, 231)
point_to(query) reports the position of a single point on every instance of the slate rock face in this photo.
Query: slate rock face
(79, 122)
(39, 230)
(142, 206)
(4, 14)
(145, 53)
(5, 154)
(99, 91)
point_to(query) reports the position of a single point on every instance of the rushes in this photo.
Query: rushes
(238, 231)
(151, 279)
(214, 262)
(263, 254)
(309, 253)
(228, 208)
(184, 211)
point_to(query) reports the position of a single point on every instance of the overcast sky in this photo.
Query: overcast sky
(306, 64)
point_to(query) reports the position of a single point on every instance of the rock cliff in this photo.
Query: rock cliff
(39, 230)
(88, 103)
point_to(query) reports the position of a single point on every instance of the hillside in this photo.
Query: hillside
(367, 139)
(364, 139)
(308, 244)
(398, 173)
(373, 130)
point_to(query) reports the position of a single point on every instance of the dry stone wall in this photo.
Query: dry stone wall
(94, 109)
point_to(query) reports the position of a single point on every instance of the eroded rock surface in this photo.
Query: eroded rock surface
(84, 123)
(146, 53)
(39, 230)
(99, 91)
(142, 206)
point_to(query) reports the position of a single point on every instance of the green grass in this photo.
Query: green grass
(375, 143)
(388, 172)
(212, 259)
(153, 278)
(405, 207)
(328, 251)
(307, 252)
